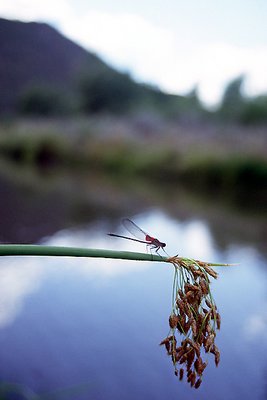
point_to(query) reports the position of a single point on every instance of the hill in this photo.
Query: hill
(37, 54)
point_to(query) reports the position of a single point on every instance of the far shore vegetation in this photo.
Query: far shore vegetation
(205, 158)
(128, 133)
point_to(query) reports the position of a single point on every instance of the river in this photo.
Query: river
(90, 329)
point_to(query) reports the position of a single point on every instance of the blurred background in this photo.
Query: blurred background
(155, 111)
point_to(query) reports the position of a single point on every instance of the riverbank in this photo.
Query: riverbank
(221, 160)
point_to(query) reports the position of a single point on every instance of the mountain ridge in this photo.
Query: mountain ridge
(37, 60)
(35, 53)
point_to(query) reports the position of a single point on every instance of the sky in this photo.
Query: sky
(173, 44)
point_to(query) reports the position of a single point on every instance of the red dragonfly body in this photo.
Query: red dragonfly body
(142, 236)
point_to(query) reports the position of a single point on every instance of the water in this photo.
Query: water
(90, 329)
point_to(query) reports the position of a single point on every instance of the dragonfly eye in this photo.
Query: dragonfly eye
(163, 244)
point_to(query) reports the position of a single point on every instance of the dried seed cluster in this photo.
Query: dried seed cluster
(195, 317)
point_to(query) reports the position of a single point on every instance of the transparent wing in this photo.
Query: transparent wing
(134, 229)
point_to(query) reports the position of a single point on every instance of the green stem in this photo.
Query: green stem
(37, 250)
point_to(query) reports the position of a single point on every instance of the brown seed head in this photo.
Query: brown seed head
(181, 374)
(173, 321)
(210, 271)
(218, 321)
(198, 383)
(204, 286)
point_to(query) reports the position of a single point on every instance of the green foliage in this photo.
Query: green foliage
(39, 150)
(107, 91)
(42, 101)
(237, 108)
(255, 111)
(232, 101)
(226, 174)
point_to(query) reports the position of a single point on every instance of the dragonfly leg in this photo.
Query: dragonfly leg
(157, 249)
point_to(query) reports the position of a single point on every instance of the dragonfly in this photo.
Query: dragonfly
(140, 235)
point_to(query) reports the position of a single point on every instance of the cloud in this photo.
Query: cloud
(97, 268)
(157, 55)
(256, 325)
(36, 10)
(18, 279)
(126, 40)
(220, 62)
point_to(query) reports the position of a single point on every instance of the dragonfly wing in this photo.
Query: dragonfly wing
(134, 229)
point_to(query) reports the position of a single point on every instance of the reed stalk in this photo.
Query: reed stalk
(42, 250)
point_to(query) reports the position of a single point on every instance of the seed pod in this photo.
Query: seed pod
(183, 359)
(181, 374)
(167, 347)
(186, 288)
(188, 310)
(194, 327)
(189, 374)
(218, 321)
(178, 355)
(182, 319)
(179, 327)
(217, 358)
(195, 274)
(164, 341)
(208, 303)
(210, 271)
(201, 338)
(185, 343)
(208, 328)
(209, 342)
(204, 286)
(199, 366)
(196, 348)
(187, 326)
(190, 293)
(190, 296)
(194, 288)
(181, 305)
(193, 379)
(190, 357)
(173, 320)
(198, 383)
(217, 355)
(200, 321)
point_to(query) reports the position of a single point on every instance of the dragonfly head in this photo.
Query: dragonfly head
(163, 244)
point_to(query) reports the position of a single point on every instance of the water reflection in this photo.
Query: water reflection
(18, 279)
(66, 322)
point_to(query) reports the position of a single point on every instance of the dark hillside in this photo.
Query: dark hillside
(36, 54)
(38, 64)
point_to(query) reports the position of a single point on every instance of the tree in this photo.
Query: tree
(42, 101)
(233, 101)
(255, 111)
(107, 91)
